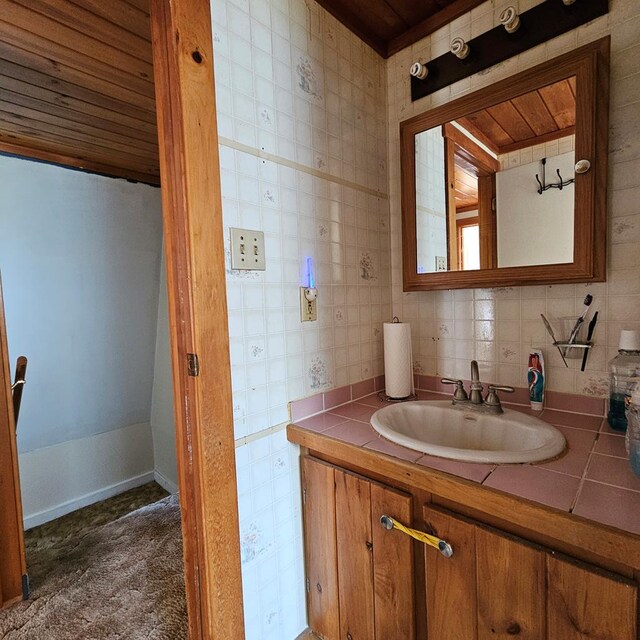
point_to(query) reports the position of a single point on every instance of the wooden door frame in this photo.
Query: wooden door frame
(13, 568)
(193, 233)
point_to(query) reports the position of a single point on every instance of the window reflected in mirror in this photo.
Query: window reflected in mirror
(495, 188)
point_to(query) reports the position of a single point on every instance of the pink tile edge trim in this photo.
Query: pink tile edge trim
(306, 407)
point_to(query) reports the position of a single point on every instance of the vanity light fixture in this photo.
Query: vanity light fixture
(510, 19)
(419, 70)
(509, 38)
(460, 48)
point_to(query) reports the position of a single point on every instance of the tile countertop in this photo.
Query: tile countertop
(592, 479)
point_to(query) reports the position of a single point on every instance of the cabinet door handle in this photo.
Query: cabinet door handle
(441, 545)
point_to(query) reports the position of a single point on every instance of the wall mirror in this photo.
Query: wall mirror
(507, 185)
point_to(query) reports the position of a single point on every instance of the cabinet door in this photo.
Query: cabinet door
(451, 582)
(355, 557)
(492, 587)
(393, 574)
(360, 577)
(586, 604)
(320, 548)
(510, 578)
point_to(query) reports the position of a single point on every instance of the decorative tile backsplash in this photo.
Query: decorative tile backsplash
(499, 326)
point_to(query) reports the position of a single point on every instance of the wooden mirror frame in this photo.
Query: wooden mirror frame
(590, 65)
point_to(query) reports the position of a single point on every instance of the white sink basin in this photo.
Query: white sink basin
(439, 429)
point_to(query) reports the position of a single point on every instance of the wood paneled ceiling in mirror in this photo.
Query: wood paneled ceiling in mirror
(76, 85)
(534, 118)
(391, 25)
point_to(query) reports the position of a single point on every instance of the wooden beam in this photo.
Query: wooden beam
(192, 212)
(35, 149)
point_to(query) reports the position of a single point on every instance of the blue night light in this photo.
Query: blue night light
(312, 279)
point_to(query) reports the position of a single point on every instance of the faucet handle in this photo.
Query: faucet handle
(492, 399)
(459, 393)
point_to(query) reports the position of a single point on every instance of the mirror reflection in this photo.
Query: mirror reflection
(495, 188)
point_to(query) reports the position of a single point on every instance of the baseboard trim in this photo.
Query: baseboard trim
(63, 509)
(165, 483)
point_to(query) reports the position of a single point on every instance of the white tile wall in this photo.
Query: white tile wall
(498, 326)
(302, 122)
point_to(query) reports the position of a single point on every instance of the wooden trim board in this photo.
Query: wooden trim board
(192, 213)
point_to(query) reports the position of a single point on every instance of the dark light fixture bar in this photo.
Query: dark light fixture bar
(543, 22)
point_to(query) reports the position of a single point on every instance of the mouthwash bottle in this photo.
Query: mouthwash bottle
(625, 372)
(632, 437)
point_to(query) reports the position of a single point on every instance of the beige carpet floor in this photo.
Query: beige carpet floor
(111, 571)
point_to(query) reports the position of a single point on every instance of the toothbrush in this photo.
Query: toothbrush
(576, 328)
(592, 326)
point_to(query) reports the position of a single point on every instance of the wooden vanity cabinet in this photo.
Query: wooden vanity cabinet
(363, 582)
(360, 577)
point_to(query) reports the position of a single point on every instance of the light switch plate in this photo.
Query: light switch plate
(247, 250)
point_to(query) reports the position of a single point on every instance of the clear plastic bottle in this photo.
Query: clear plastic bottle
(632, 437)
(625, 372)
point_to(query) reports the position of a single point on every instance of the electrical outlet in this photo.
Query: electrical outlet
(247, 250)
(308, 308)
(441, 263)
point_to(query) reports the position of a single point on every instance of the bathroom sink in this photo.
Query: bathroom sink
(440, 429)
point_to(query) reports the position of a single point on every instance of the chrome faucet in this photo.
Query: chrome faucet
(476, 388)
(490, 404)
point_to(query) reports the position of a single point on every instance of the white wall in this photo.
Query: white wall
(80, 262)
(162, 420)
(431, 206)
(534, 228)
(68, 476)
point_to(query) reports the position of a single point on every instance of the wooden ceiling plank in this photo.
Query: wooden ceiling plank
(141, 5)
(478, 134)
(79, 83)
(79, 19)
(77, 109)
(92, 166)
(431, 24)
(509, 118)
(561, 103)
(46, 125)
(547, 137)
(534, 110)
(121, 13)
(34, 109)
(59, 37)
(489, 128)
(29, 138)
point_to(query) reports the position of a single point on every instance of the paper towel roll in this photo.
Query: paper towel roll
(398, 359)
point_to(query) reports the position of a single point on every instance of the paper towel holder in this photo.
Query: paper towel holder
(382, 394)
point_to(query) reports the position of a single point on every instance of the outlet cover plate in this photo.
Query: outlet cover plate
(308, 310)
(247, 250)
